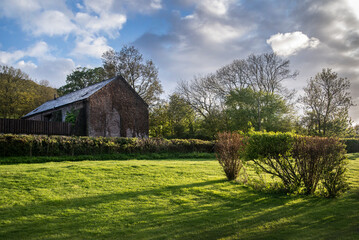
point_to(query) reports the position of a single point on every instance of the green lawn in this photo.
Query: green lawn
(162, 199)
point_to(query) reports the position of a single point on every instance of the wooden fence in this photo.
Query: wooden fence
(19, 126)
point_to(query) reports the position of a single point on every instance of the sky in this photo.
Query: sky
(48, 39)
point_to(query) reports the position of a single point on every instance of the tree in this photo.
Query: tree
(82, 77)
(264, 72)
(159, 120)
(181, 117)
(247, 108)
(262, 75)
(327, 101)
(19, 94)
(206, 103)
(140, 74)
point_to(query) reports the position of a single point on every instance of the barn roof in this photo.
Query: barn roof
(70, 98)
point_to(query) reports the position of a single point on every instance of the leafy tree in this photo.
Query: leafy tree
(262, 77)
(141, 75)
(181, 116)
(82, 77)
(247, 108)
(327, 101)
(159, 120)
(19, 94)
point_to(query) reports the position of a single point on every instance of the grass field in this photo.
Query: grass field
(162, 199)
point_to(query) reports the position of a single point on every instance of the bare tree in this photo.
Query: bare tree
(327, 101)
(267, 71)
(200, 95)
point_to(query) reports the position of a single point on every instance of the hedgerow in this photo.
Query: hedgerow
(301, 163)
(36, 145)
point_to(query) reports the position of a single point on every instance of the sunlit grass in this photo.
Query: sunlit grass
(162, 199)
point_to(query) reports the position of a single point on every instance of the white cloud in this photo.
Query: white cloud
(26, 66)
(107, 23)
(91, 46)
(51, 23)
(156, 4)
(216, 7)
(290, 43)
(38, 50)
(55, 70)
(10, 57)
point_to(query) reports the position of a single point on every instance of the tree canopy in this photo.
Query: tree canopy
(82, 77)
(141, 74)
(327, 101)
(19, 94)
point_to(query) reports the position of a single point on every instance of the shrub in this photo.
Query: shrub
(271, 152)
(321, 159)
(352, 144)
(40, 145)
(229, 149)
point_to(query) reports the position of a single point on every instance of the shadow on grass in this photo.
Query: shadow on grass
(116, 156)
(191, 211)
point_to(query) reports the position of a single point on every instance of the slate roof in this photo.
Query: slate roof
(70, 98)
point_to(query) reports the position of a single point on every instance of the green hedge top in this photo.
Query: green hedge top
(35, 145)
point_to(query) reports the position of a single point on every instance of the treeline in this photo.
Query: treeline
(19, 94)
(247, 94)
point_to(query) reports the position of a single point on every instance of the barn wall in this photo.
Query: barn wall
(116, 111)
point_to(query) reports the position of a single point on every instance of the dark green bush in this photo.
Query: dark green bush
(271, 152)
(352, 144)
(35, 145)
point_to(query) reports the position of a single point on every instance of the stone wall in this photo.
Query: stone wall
(117, 111)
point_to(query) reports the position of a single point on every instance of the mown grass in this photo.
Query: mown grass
(162, 199)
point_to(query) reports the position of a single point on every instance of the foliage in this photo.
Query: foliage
(140, 74)
(160, 125)
(71, 116)
(300, 161)
(229, 149)
(247, 108)
(327, 101)
(19, 94)
(271, 152)
(166, 199)
(352, 144)
(320, 159)
(33, 145)
(82, 77)
(259, 76)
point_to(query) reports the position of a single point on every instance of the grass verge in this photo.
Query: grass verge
(167, 199)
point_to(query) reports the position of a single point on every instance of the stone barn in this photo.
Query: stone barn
(111, 108)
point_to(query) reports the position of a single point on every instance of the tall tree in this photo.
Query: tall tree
(327, 101)
(159, 120)
(141, 74)
(82, 77)
(19, 94)
(247, 108)
(181, 116)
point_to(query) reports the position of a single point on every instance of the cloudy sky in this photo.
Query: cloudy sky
(49, 38)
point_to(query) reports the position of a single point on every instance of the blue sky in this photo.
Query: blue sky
(49, 38)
